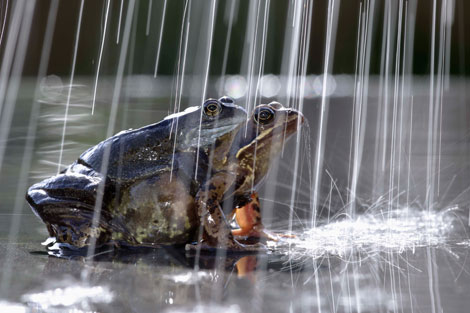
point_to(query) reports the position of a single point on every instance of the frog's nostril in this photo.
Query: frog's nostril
(227, 100)
(276, 105)
(295, 115)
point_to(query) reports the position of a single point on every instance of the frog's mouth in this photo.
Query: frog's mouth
(271, 137)
(283, 129)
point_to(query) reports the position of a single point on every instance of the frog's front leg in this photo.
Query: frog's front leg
(216, 229)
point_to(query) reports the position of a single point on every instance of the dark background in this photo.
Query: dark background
(145, 46)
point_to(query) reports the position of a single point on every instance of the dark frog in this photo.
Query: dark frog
(138, 186)
(158, 184)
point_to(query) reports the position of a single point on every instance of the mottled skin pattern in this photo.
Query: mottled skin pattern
(149, 182)
(248, 163)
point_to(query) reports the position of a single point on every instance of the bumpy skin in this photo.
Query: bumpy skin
(142, 187)
(148, 185)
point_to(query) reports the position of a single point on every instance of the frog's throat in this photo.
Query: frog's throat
(210, 135)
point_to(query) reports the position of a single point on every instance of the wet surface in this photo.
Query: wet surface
(391, 254)
(158, 280)
(376, 187)
(402, 266)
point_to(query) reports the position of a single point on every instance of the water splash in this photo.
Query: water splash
(387, 231)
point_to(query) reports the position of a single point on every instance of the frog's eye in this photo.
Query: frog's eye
(263, 115)
(212, 107)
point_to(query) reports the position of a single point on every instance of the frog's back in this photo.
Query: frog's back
(132, 154)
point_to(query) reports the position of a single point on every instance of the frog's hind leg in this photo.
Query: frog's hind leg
(69, 222)
(216, 229)
(66, 203)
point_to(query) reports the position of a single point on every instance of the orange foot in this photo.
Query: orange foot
(248, 218)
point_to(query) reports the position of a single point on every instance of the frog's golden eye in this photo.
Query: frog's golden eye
(212, 107)
(263, 115)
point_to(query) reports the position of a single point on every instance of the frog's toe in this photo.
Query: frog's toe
(254, 247)
(286, 236)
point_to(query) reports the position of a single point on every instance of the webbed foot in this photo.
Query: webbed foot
(248, 217)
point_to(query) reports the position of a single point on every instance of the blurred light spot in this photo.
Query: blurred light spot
(270, 86)
(330, 85)
(344, 85)
(235, 86)
(309, 92)
(70, 296)
(51, 87)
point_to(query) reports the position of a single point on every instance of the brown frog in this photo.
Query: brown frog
(232, 191)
